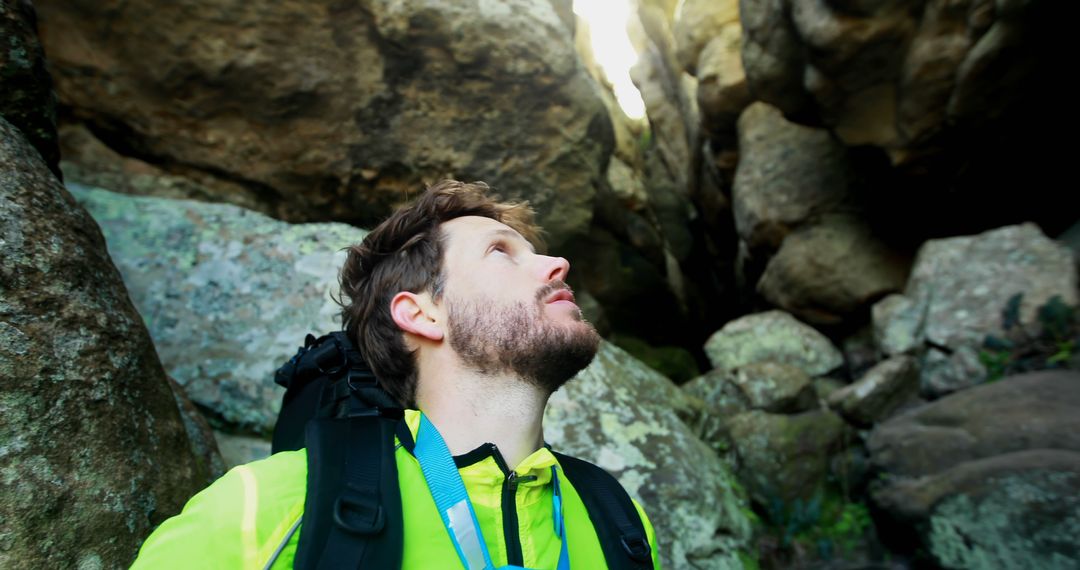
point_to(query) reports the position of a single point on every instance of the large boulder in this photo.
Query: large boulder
(988, 477)
(783, 458)
(787, 175)
(228, 294)
(332, 110)
(772, 336)
(956, 295)
(618, 414)
(880, 392)
(775, 387)
(891, 74)
(26, 97)
(94, 451)
(830, 272)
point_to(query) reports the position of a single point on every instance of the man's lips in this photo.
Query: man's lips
(560, 295)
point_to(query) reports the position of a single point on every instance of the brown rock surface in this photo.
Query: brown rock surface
(331, 110)
(94, 451)
(26, 98)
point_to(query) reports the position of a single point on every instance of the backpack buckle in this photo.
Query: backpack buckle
(357, 512)
(637, 547)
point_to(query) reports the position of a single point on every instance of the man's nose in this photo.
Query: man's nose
(555, 268)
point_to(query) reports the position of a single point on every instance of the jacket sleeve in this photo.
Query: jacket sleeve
(650, 534)
(211, 530)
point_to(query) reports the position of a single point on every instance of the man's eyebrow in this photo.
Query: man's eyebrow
(507, 232)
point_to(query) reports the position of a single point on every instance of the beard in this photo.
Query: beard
(519, 339)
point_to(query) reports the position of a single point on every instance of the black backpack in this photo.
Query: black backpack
(335, 408)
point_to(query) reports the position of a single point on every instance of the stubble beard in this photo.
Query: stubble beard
(519, 339)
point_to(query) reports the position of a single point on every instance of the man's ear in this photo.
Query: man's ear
(415, 314)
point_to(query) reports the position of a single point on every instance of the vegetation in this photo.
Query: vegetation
(1053, 345)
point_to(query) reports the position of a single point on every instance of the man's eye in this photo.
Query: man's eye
(498, 247)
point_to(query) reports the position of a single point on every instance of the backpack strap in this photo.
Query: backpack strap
(352, 512)
(612, 512)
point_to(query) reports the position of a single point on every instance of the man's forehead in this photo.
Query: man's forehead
(470, 229)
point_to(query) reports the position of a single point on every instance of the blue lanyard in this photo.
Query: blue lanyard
(456, 509)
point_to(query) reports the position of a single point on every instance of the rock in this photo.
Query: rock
(891, 74)
(787, 175)
(616, 413)
(775, 387)
(772, 336)
(201, 435)
(1029, 411)
(829, 272)
(228, 294)
(773, 56)
(94, 452)
(860, 351)
(697, 22)
(722, 92)
(721, 400)
(956, 294)
(825, 387)
(786, 457)
(26, 97)
(340, 110)
(1016, 510)
(897, 322)
(240, 449)
(880, 392)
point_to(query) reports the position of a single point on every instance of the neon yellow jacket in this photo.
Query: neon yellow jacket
(244, 517)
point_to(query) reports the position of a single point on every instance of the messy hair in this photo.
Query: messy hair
(405, 253)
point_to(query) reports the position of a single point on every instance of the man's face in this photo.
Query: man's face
(509, 309)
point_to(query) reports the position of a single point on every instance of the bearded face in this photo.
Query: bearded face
(520, 338)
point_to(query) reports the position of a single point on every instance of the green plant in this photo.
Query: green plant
(827, 523)
(1053, 345)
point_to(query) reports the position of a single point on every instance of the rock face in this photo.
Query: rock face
(26, 98)
(827, 272)
(957, 292)
(988, 476)
(94, 451)
(891, 74)
(330, 110)
(617, 414)
(880, 392)
(787, 175)
(786, 457)
(227, 294)
(775, 387)
(772, 336)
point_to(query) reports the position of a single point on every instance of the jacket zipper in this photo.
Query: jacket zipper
(514, 556)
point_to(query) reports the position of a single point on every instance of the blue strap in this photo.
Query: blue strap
(455, 508)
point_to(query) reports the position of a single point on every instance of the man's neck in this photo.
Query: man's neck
(470, 409)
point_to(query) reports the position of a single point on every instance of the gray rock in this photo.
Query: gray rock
(787, 175)
(898, 323)
(340, 111)
(26, 98)
(1016, 510)
(616, 414)
(697, 22)
(721, 400)
(241, 449)
(93, 453)
(825, 387)
(958, 290)
(203, 443)
(1030, 411)
(227, 294)
(775, 387)
(880, 392)
(786, 457)
(772, 336)
(828, 272)
(722, 92)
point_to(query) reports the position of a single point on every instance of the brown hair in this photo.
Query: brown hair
(404, 253)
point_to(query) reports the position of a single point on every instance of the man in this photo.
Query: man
(461, 319)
